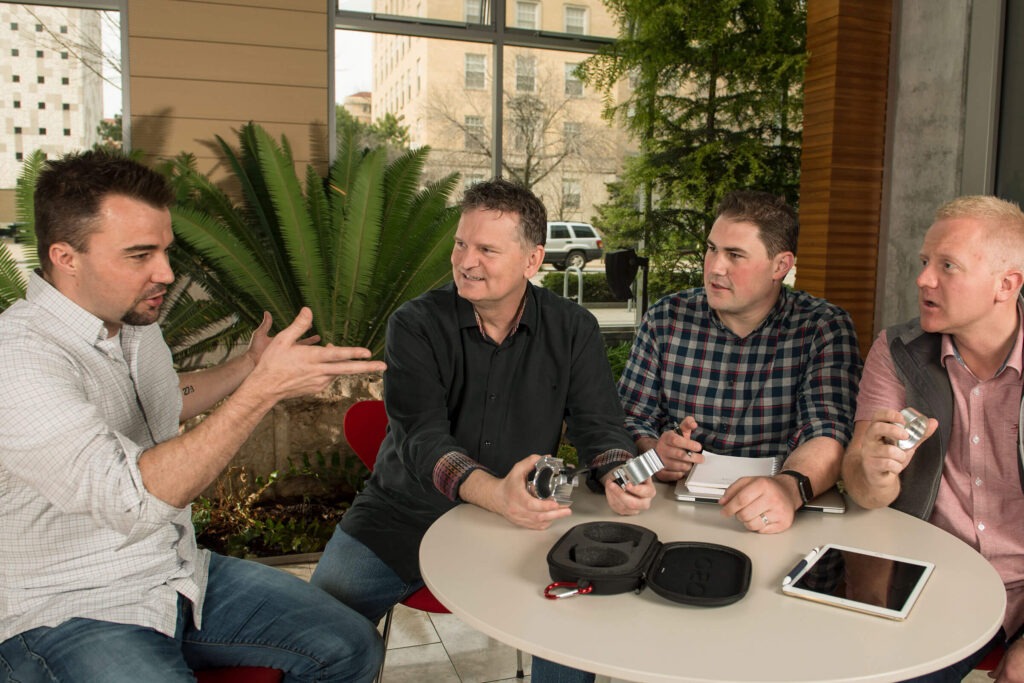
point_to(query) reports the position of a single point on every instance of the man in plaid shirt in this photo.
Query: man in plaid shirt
(744, 366)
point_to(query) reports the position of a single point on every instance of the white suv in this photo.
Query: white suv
(572, 244)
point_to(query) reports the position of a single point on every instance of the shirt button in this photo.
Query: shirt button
(975, 391)
(975, 439)
(487, 443)
(492, 397)
(977, 482)
(981, 527)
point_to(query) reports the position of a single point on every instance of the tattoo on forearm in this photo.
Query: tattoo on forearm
(186, 390)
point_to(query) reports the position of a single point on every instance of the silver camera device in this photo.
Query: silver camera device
(551, 478)
(639, 469)
(916, 425)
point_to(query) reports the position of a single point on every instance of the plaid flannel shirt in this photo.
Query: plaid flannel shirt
(792, 379)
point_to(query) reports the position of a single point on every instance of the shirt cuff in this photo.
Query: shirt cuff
(451, 470)
(604, 463)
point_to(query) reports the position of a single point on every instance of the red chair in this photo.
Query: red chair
(365, 425)
(239, 674)
(992, 659)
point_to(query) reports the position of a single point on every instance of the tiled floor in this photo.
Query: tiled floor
(438, 648)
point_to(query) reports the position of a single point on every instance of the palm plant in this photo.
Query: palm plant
(352, 247)
(12, 278)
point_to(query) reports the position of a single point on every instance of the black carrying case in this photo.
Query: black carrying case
(605, 558)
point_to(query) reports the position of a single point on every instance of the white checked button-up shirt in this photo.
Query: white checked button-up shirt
(80, 535)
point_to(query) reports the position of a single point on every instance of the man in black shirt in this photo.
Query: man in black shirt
(481, 375)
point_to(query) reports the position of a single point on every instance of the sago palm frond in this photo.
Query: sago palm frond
(300, 236)
(12, 279)
(357, 247)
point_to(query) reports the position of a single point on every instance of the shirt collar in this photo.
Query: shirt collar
(80, 322)
(525, 316)
(773, 314)
(1013, 359)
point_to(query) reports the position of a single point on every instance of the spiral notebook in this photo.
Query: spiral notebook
(708, 480)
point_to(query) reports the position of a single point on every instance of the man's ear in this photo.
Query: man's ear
(534, 260)
(1009, 285)
(783, 264)
(64, 258)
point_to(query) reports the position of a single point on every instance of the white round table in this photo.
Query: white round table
(491, 574)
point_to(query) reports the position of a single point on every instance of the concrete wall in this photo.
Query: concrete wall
(926, 140)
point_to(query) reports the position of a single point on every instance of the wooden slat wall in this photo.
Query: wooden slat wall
(845, 92)
(202, 68)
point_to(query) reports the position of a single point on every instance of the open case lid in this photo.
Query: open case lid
(702, 574)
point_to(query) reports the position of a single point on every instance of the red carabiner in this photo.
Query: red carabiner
(568, 589)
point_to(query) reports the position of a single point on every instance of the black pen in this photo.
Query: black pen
(800, 566)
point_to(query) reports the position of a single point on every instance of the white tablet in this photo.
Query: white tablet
(857, 579)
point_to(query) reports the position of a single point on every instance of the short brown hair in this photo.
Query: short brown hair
(69, 192)
(776, 220)
(503, 195)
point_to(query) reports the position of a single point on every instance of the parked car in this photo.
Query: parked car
(571, 245)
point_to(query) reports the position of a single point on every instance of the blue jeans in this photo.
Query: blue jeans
(354, 574)
(253, 616)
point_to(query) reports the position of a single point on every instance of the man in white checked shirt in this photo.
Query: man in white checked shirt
(101, 579)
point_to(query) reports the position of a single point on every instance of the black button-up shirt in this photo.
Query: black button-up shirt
(454, 397)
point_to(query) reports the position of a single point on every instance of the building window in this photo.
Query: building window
(42, 105)
(17, 104)
(63, 29)
(526, 73)
(39, 28)
(474, 132)
(66, 106)
(40, 79)
(573, 85)
(473, 13)
(17, 130)
(571, 131)
(576, 20)
(14, 52)
(475, 68)
(42, 131)
(471, 179)
(18, 156)
(67, 132)
(526, 15)
(65, 80)
(16, 78)
(570, 194)
(63, 55)
(14, 26)
(39, 54)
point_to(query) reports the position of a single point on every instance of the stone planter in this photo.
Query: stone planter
(300, 426)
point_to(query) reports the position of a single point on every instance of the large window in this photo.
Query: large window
(61, 76)
(1009, 160)
(494, 95)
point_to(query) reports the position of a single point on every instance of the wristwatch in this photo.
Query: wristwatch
(803, 486)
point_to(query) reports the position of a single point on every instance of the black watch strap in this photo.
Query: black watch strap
(803, 486)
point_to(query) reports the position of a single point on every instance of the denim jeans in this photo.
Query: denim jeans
(545, 671)
(253, 616)
(354, 574)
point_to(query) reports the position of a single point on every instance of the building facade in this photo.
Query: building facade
(52, 74)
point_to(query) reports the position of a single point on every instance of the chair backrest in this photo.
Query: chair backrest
(365, 424)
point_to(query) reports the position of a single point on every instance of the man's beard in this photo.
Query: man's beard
(148, 317)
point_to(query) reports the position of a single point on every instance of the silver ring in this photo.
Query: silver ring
(764, 519)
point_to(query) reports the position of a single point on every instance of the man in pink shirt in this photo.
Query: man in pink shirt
(961, 364)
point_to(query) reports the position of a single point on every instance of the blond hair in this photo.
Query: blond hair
(1003, 222)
